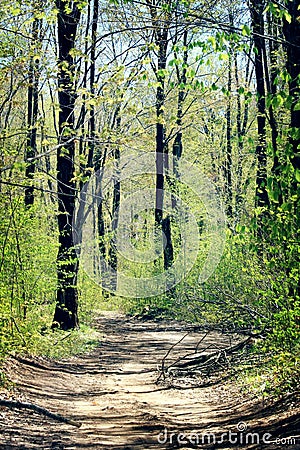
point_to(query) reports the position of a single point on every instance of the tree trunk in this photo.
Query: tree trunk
(113, 256)
(177, 144)
(270, 67)
(262, 200)
(32, 112)
(168, 250)
(160, 22)
(160, 150)
(240, 131)
(92, 120)
(65, 315)
(181, 78)
(228, 157)
(292, 35)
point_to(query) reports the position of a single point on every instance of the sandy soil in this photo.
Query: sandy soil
(113, 393)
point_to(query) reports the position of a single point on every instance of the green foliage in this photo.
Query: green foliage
(256, 285)
(27, 277)
(28, 284)
(278, 11)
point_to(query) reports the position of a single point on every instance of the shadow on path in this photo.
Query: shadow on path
(113, 392)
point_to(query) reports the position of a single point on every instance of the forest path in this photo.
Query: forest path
(113, 393)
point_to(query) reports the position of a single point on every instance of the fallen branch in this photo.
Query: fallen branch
(191, 355)
(202, 359)
(39, 410)
(201, 340)
(162, 371)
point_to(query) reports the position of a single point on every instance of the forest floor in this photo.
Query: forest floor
(113, 393)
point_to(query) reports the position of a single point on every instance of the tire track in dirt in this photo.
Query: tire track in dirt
(113, 393)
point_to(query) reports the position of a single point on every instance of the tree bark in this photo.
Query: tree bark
(92, 121)
(292, 35)
(262, 200)
(65, 315)
(160, 139)
(270, 67)
(228, 157)
(161, 33)
(113, 255)
(32, 112)
(177, 144)
(164, 224)
(182, 78)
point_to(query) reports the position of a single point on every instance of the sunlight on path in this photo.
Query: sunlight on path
(113, 393)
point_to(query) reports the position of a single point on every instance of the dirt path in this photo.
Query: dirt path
(113, 393)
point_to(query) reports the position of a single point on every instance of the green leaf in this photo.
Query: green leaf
(287, 16)
(297, 175)
(246, 30)
(161, 73)
(212, 40)
(223, 57)
(297, 107)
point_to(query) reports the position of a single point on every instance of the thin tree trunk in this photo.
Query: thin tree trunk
(113, 256)
(32, 112)
(242, 119)
(177, 145)
(99, 164)
(160, 142)
(92, 121)
(168, 250)
(240, 143)
(270, 75)
(82, 122)
(177, 148)
(161, 32)
(228, 157)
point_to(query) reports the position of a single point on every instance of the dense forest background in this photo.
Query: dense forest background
(212, 91)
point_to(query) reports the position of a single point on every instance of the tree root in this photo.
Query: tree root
(39, 410)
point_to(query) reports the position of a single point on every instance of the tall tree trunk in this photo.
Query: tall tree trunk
(32, 111)
(228, 156)
(92, 121)
(99, 162)
(113, 256)
(292, 35)
(161, 23)
(272, 87)
(160, 133)
(262, 200)
(181, 78)
(65, 315)
(270, 67)
(84, 142)
(242, 124)
(240, 132)
(177, 148)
